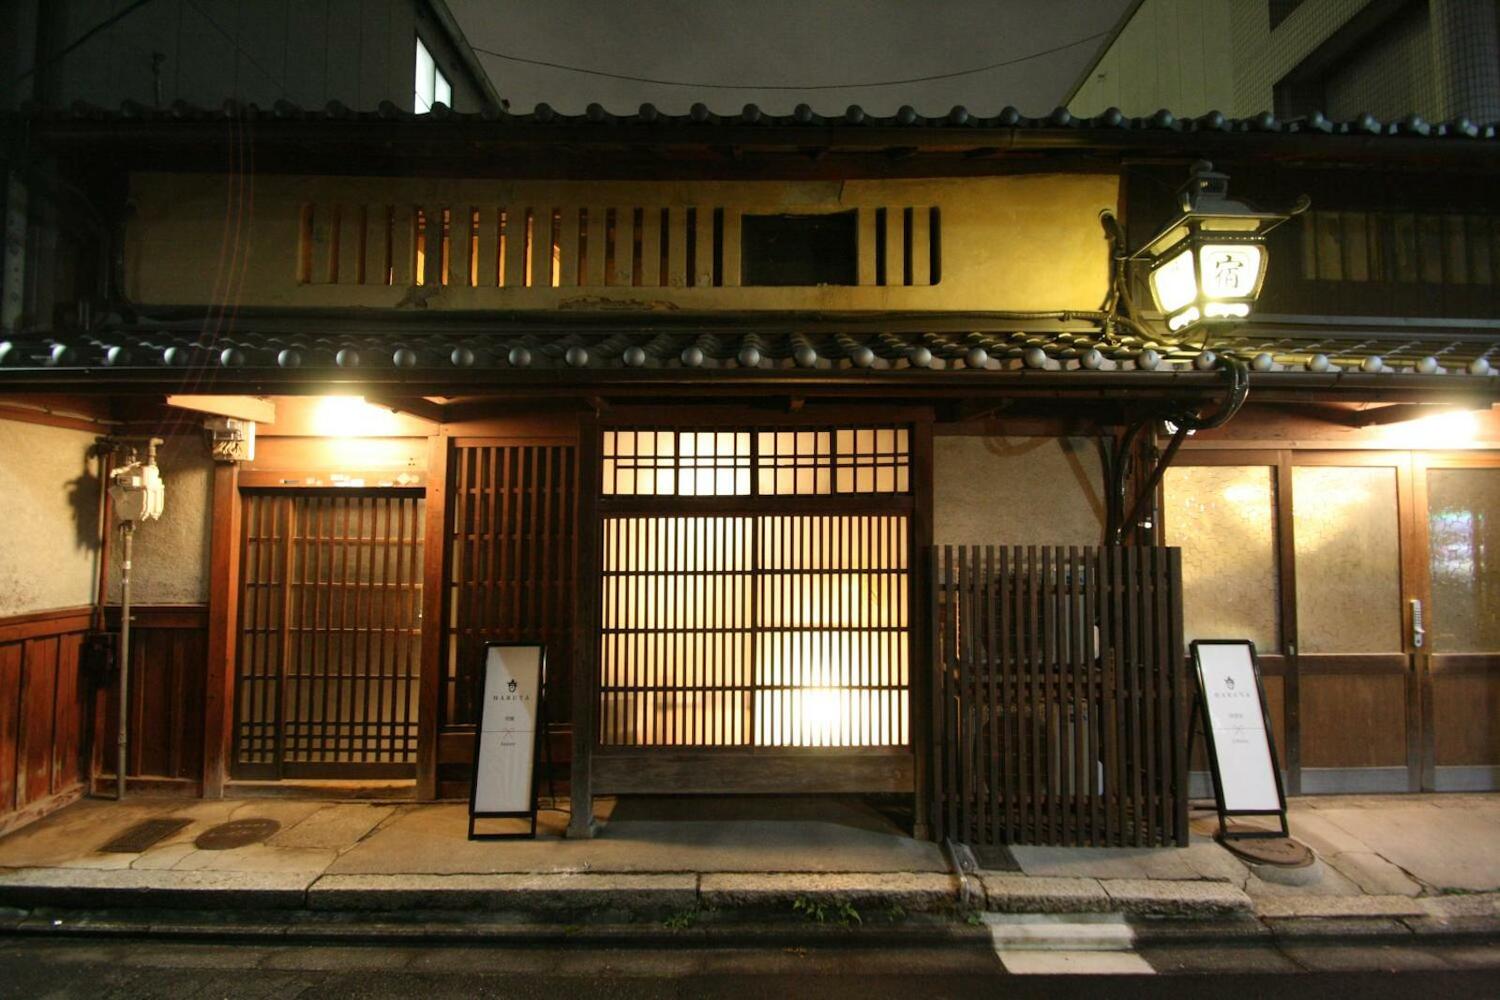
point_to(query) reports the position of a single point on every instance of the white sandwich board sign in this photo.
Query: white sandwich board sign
(510, 724)
(1242, 753)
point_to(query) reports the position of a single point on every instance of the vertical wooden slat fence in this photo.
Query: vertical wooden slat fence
(1060, 695)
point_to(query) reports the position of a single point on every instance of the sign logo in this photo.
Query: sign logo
(511, 687)
(1228, 683)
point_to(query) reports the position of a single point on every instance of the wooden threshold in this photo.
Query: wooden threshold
(709, 772)
(312, 788)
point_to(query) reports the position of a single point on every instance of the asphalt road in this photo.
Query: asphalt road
(114, 967)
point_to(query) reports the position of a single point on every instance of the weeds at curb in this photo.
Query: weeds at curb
(819, 913)
(681, 920)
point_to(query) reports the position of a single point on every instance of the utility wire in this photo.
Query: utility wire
(781, 86)
(101, 26)
(275, 81)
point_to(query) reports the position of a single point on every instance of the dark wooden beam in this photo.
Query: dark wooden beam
(417, 406)
(586, 594)
(434, 593)
(223, 629)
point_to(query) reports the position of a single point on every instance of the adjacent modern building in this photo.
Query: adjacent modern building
(1436, 59)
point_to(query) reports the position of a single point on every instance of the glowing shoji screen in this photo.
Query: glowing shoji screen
(786, 630)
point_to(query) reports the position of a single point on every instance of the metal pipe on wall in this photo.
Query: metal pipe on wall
(122, 737)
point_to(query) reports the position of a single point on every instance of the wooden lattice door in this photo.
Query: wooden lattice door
(330, 634)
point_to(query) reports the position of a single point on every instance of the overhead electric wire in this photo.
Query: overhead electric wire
(784, 86)
(102, 25)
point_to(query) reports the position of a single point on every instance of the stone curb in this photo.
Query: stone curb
(546, 893)
(918, 892)
(1167, 907)
(1039, 894)
(159, 889)
(1334, 907)
(1158, 898)
(1184, 898)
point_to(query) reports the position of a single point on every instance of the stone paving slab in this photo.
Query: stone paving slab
(509, 892)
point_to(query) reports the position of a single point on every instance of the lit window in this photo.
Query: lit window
(803, 462)
(432, 87)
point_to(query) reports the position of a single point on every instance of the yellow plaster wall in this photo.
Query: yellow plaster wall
(997, 490)
(1026, 242)
(49, 547)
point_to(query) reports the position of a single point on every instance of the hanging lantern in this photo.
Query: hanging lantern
(1208, 264)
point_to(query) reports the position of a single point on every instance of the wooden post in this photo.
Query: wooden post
(223, 628)
(922, 667)
(434, 592)
(1291, 688)
(586, 592)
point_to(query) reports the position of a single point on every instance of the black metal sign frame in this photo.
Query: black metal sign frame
(539, 744)
(1200, 713)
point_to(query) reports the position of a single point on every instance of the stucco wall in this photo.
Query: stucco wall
(49, 492)
(995, 490)
(171, 555)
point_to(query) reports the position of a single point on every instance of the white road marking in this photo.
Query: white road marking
(1066, 943)
(1075, 963)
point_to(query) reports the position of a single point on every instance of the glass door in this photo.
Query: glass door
(1459, 659)
(1356, 699)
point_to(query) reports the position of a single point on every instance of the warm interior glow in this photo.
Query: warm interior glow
(1173, 284)
(1447, 429)
(776, 630)
(351, 416)
(1187, 316)
(1230, 270)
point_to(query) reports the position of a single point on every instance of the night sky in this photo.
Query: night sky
(795, 43)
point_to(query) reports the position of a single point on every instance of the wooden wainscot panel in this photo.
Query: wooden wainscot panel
(1353, 720)
(42, 714)
(1466, 718)
(168, 661)
(806, 773)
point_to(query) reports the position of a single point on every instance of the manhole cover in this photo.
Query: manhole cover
(236, 833)
(1280, 851)
(143, 835)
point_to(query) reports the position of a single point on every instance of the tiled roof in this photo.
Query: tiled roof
(956, 120)
(674, 352)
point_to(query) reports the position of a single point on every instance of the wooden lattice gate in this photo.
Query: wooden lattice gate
(330, 634)
(1060, 695)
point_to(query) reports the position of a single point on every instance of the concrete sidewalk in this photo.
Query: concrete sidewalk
(1393, 864)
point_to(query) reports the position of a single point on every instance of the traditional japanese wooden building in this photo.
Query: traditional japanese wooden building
(827, 454)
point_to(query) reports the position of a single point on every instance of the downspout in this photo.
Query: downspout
(127, 530)
(1185, 420)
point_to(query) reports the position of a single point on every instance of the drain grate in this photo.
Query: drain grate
(236, 833)
(144, 835)
(996, 857)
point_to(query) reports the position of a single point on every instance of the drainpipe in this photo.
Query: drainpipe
(127, 530)
(13, 278)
